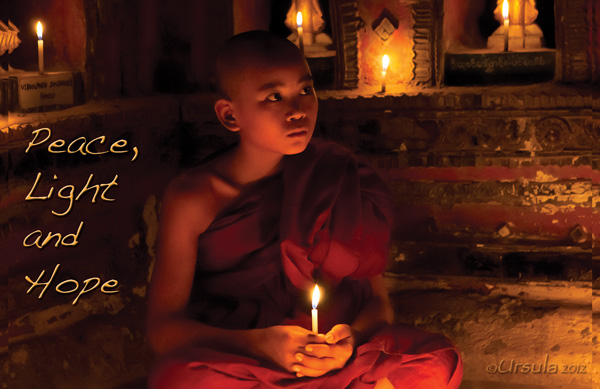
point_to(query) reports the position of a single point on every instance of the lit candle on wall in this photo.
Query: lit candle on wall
(40, 47)
(315, 314)
(506, 23)
(300, 31)
(385, 61)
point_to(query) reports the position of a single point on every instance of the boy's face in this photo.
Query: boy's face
(275, 106)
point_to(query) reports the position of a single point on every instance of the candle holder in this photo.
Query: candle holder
(517, 31)
(315, 43)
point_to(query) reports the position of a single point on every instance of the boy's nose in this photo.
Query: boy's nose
(296, 116)
(295, 112)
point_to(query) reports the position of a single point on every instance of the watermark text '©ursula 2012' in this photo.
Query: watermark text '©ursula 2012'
(546, 367)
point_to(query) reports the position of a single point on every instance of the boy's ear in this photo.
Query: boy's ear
(224, 111)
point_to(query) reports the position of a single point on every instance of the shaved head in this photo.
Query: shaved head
(252, 49)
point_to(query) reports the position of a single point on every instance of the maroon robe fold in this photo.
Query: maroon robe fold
(324, 218)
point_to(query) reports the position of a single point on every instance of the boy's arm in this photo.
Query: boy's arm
(376, 313)
(183, 217)
(186, 214)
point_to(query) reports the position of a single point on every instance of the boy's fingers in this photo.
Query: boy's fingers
(337, 333)
(316, 338)
(302, 371)
(340, 351)
(315, 363)
(318, 350)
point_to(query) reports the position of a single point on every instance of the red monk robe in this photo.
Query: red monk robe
(325, 217)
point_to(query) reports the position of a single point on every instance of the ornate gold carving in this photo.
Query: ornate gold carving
(574, 39)
(427, 29)
(345, 22)
(552, 133)
(456, 133)
(385, 25)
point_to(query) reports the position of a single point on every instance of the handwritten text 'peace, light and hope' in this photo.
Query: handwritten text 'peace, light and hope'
(71, 195)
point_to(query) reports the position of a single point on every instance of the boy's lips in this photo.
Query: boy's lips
(296, 134)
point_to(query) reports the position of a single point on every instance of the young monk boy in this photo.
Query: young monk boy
(245, 236)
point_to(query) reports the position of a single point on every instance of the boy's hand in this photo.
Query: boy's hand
(282, 344)
(320, 358)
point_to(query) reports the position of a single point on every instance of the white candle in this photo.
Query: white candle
(506, 23)
(385, 61)
(315, 314)
(40, 47)
(300, 31)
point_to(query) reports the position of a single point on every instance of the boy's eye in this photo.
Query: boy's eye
(307, 90)
(274, 97)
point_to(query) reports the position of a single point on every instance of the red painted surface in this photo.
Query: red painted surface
(493, 173)
(484, 219)
(546, 220)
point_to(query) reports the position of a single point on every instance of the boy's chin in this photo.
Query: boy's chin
(297, 149)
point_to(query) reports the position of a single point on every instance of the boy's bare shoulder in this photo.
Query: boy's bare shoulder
(191, 183)
(187, 192)
(199, 193)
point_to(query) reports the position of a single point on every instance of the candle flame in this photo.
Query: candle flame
(505, 9)
(316, 297)
(299, 19)
(385, 62)
(40, 29)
